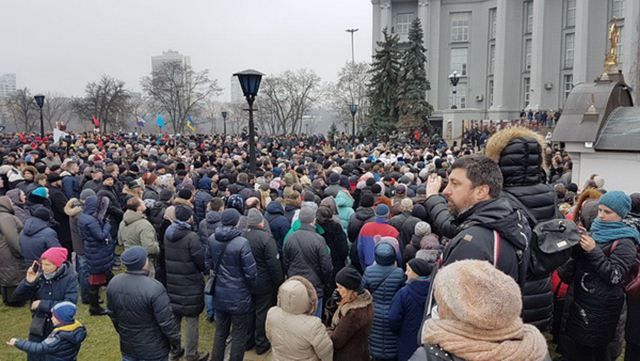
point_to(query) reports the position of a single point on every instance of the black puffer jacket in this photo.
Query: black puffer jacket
(518, 152)
(337, 242)
(265, 253)
(184, 262)
(306, 254)
(141, 313)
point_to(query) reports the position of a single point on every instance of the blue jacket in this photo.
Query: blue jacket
(70, 185)
(63, 344)
(98, 246)
(208, 226)
(237, 273)
(383, 280)
(200, 202)
(405, 315)
(36, 237)
(278, 223)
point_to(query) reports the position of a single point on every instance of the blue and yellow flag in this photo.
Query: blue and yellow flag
(190, 124)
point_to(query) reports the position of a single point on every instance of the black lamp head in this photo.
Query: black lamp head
(39, 100)
(249, 82)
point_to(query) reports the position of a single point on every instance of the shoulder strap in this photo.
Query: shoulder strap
(515, 201)
(224, 249)
(614, 246)
(496, 248)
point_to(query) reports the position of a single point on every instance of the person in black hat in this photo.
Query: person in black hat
(58, 201)
(334, 185)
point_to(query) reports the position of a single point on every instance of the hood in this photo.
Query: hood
(176, 231)
(73, 207)
(363, 214)
(90, 205)
(204, 183)
(34, 225)
(226, 233)
(518, 152)
(418, 289)
(73, 333)
(275, 208)
(331, 203)
(130, 217)
(499, 215)
(343, 199)
(213, 217)
(385, 254)
(297, 296)
(5, 205)
(14, 195)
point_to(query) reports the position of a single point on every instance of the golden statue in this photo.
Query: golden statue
(611, 60)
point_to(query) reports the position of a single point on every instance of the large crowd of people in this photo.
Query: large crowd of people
(334, 249)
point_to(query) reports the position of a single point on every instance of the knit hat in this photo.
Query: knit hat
(86, 193)
(183, 213)
(149, 178)
(334, 178)
(53, 177)
(55, 255)
(406, 205)
(478, 294)
(254, 217)
(134, 258)
(401, 189)
(420, 267)
(617, 201)
(165, 195)
(307, 215)
(42, 213)
(422, 229)
(376, 189)
(65, 312)
(349, 278)
(382, 210)
(41, 192)
(324, 214)
(367, 200)
(185, 194)
(230, 217)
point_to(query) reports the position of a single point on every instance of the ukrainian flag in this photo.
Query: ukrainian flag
(190, 124)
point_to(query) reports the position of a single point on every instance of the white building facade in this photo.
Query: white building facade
(7, 85)
(168, 57)
(513, 54)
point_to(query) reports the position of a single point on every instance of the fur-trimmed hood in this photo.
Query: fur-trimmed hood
(499, 141)
(297, 296)
(363, 300)
(73, 207)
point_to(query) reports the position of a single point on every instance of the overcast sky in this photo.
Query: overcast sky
(60, 45)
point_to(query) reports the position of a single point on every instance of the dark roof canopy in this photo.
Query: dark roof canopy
(622, 131)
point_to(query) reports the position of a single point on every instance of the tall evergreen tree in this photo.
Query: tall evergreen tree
(383, 87)
(412, 104)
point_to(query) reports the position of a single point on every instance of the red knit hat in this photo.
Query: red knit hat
(55, 255)
(149, 178)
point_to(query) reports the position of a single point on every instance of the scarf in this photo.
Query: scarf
(605, 232)
(518, 343)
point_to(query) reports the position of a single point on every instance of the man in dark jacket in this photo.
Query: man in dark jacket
(202, 198)
(70, 182)
(518, 152)
(141, 312)
(278, 223)
(269, 278)
(480, 219)
(365, 213)
(184, 259)
(37, 236)
(306, 254)
(405, 222)
(231, 259)
(58, 201)
(115, 211)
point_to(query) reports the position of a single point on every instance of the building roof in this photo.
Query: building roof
(621, 131)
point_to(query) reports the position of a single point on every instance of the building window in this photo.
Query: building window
(460, 98)
(527, 55)
(492, 58)
(620, 48)
(617, 8)
(459, 61)
(570, 13)
(460, 27)
(568, 85)
(403, 22)
(528, 9)
(490, 100)
(526, 91)
(569, 44)
(492, 23)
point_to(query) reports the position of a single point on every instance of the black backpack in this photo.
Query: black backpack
(551, 241)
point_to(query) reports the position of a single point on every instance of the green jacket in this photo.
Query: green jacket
(136, 230)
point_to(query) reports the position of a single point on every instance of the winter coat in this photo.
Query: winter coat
(62, 344)
(184, 262)
(519, 153)
(200, 202)
(98, 246)
(306, 254)
(383, 279)
(359, 218)
(136, 230)
(155, 215)
(278, 223)
(73, 209)
(265, 253)
(58, 201)
(344, 202)
(62, 287)
(150, 192)
(293, 329)
(70, 185)
(207, 227)
(598, 292)
(351, 326)
(236, 275)
(36, 237)
(337, 242)
(290, 211)
(406, 313)
(428, 243)
(141, 313)
(367, 240)
(11, 264)
(405, 223)
(115, 207)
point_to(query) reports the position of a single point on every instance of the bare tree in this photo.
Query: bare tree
(107, 100)
(177, 90)
(57, 109)
(351, 88)
(23, 109)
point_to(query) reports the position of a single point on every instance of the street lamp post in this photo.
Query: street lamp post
(454, 79)
(352, 52)
(224, 123)
(353, 108)
(250, 83)
(40, 101)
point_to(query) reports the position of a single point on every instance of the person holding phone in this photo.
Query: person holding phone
(48, 281)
